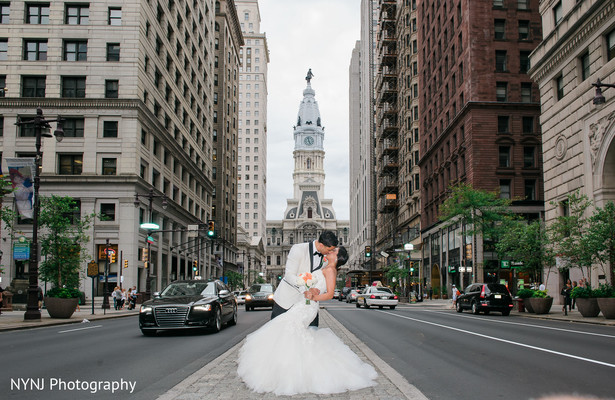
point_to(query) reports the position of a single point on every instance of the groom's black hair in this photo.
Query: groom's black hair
(328, 238)
(342, 257)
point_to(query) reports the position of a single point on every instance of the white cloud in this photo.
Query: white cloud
(301, 34)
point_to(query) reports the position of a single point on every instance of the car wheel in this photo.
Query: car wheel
(506, 313)
(247, 308)
(381, 307)
(475, 308)
(148, 332)
(365, 304)
(358, 305)
(217, 321)
(458, 307)
(392, 307)
(233, 320)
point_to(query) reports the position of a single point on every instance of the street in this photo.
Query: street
(449, 355)
(110, 350)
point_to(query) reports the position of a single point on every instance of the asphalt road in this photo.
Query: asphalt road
(109, 350)
(448, 355)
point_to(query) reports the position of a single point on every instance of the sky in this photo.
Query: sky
(304, 34)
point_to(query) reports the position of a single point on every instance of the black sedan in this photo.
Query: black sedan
(485, 297)
(190, 304)
(259, 295)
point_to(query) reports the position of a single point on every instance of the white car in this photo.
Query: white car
(241, 296)
(377, 296)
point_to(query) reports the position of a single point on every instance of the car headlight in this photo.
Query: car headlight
(145, 309)
(270, 297)
(248, 297)
(203, 307)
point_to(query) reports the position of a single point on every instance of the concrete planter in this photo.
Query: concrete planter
(60, 308)
(528, 305)
(607, 306)
(540, 305)
(588, 307)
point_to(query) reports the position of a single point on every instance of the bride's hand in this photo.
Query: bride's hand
(308, 294)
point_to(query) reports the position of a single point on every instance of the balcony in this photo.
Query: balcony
(388, 203)
(390, 163)
(387, 184)
(387, 129)
(390, 146)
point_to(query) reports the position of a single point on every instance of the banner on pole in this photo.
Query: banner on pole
(21, 173)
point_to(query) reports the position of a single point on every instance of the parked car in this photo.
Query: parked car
(259, 295)
(485, 297)
(337, 293)
(352, 296)
(189, 304)
(240, 295)
(377, 296)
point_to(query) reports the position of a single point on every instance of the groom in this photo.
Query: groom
(303, 257)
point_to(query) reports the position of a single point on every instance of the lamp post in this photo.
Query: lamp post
(599, 97)
(39, 123)
(150, 226)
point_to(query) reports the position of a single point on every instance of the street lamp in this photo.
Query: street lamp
(150, 226)
(41, 125)
(599, 97)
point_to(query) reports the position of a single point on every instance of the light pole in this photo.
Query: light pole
(149, 226)
(599, 97)
(39, 122)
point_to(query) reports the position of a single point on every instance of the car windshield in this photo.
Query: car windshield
(382, 290)
(189, 289)
(496, 288)
(261, 288)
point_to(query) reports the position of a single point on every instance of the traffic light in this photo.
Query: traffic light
(211, 225)
(125, 263)
(279, 277)
(194, 265)
(145, 254)
(111, 258)
(411, 267)
(368, 251)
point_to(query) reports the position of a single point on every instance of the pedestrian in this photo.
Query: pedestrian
(114, 298)
(454, 292)
(117, 297)
(430, 292)
(541, 286)
(39, 293)
(566, 293)
(123, 299)
(574, 300)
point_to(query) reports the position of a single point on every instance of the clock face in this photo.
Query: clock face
(308, 140)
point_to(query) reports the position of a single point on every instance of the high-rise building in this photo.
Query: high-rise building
(479, 123)
(134, 81)
(252, 156)
(577, 120)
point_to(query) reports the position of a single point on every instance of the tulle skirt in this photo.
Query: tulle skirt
(287, 357)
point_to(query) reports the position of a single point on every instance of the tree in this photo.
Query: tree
(235, 279)
(527, 243)
(395, 273)
(7, 215)
(601, 238)
(62, 241)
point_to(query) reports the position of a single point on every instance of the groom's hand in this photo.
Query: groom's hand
(314, 291)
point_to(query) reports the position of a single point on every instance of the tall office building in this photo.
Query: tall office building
(134, 81)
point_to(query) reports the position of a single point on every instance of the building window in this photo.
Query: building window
(524, 30)
(4, 13)
(610, 42)
(109, 166)
(112, 88)
(33, 86)
(500, 28)
(528, 124)
(523, 5)
(77, 14)
(503, 124)
(37, 13)
(110, 129)
(35, 50)
(526, 92)
(529, 157)
(70, 164)
(500, 61)
(557, 12)
(73, 86)
(1, 129)
(501, 91)
(584, 63)
(504, 156)
(504, 188)
(113, 52)
(115, 16)
(530, 189)
(498, 3)
(76, 50)
(73, 127)
(524, 61)
(4, 49)
(107, 212)
(559, 87)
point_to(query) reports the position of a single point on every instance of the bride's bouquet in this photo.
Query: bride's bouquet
(308, 280)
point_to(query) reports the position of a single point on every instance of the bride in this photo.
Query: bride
(287, 357)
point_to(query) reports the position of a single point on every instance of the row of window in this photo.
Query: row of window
(72, 50)
(70, 86)
(505, 156)
(74, 14)
(73, 127)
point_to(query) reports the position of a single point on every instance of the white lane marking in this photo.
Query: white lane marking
(522, 324)
(80, 329)
(505, 341)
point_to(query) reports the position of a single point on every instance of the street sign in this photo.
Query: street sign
(21, 251)
(92, 269)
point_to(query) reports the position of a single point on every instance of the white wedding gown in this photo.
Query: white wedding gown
(287, 357)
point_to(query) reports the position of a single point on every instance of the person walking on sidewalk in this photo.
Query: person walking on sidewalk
(566, 293)
(455, 294)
